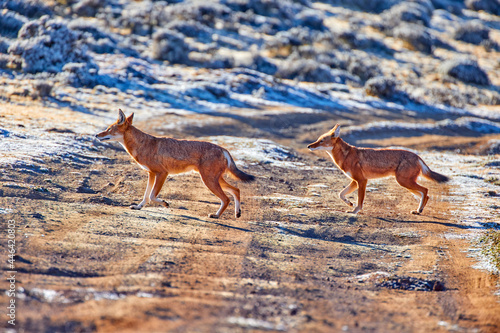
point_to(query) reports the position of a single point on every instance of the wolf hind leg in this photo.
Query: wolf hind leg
(235, 192)
(213, 185)
(410, 183)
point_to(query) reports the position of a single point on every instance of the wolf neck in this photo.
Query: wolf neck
(133, 139)
(339, 152)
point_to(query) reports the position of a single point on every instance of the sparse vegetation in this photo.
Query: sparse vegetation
(88, 8)
(386, 88)
(10, 23)
(410, 12)
(490, 6)
(365, 69)
(473, 32)
(465, 70)
(42, 89)
(372, 6)
(381, 86)
(32, 8)
(493, 180)
(46, 45)
(459, 98)
(311, 71)
(78, 74)
(490, 243)
(415, 36)
(359, 41)
(171, 46)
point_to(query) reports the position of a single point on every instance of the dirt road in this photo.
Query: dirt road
(294, 262)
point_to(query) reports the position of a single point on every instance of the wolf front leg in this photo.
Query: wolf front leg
(149, 187)
(348, 190)
(159, 181)
(361, 195)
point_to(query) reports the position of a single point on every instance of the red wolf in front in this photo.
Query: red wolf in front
(361, 164)
(161, 156)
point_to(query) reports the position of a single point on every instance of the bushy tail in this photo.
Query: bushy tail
(243, 176)
(429, 174)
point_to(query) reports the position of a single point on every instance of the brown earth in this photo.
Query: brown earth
(294, 261)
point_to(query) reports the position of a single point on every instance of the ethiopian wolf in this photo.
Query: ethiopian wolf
(161, 156)
(361, 164)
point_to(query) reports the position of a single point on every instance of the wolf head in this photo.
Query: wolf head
(116, 130)
(326, 141)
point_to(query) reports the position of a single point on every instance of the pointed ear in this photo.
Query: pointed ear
(129, 119)
(335, 132)
(121, 117)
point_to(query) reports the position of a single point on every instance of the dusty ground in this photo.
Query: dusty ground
(293, 262)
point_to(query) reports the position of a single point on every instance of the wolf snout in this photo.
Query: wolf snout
(100, 138)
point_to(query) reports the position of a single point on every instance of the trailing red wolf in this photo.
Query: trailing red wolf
(161, 156)
(361, 164)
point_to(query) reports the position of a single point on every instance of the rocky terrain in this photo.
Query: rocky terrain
(262, 78)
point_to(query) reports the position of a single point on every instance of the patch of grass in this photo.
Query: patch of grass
(493, 180)
(40, 189)
(415, 37)
(465, 70)
(490, 243)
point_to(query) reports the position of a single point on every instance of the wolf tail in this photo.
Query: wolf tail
(429, 174)
(237, 173)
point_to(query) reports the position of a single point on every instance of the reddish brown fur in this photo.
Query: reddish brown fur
(161, 156)
(361, 164)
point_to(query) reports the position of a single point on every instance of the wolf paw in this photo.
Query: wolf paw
(354, 212)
